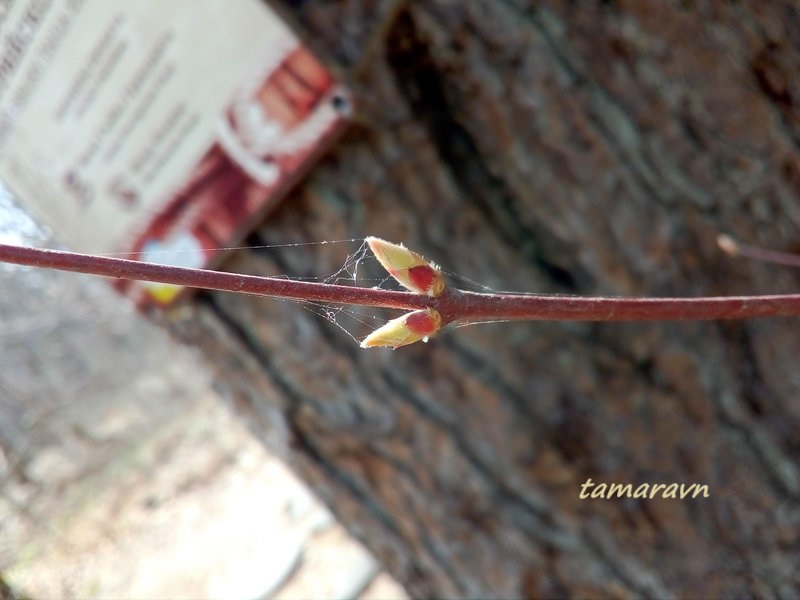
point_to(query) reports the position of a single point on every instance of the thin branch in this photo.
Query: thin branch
(733, 248)
(469, 306)
(453, 305)
(121, 268)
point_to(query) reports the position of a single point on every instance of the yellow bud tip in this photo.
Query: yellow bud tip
(410, 269)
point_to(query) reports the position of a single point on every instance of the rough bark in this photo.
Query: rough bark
(591, 148)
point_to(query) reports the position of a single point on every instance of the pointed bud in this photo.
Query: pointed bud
(728, 245)
(406, 329)
(409, 268)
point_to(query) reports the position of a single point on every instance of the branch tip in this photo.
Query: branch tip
(728, 245)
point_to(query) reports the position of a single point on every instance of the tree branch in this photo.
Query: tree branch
(453, 305)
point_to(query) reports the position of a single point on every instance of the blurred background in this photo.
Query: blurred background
(593, 148)
(124, 475)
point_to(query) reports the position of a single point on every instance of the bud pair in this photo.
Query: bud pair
(418, 275)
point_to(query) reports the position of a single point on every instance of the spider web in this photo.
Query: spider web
(359, 269)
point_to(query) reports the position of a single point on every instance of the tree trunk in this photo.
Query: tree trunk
(587, 148)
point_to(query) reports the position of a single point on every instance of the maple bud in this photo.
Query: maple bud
(409, 268)
(406, 329)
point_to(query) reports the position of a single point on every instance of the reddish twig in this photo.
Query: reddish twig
(453, 305)
(121, 268)
(529, 307)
